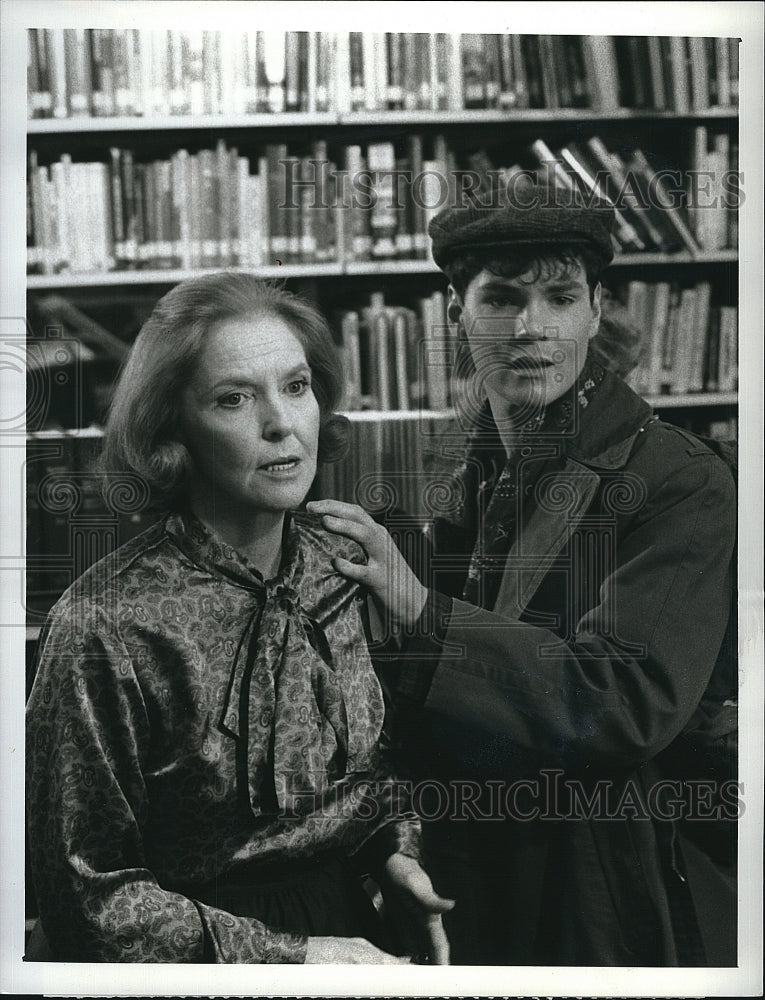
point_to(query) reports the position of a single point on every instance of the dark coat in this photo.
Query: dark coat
(610, 614)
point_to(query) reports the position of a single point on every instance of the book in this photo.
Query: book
(657, 331)
(102, 72)
(573, 57)
(727, 378)
(656, 68)
(658, 196)
(684, 336)
(627, 235)
(275, 69)
(351, 355)
(473, 70)
(381, 160)
(680, 86)
(452, 73)
(77, 71)
(601, 72)
(723, 74)
(533, 70)
(551, 96)
(700, 333)
(699, 66)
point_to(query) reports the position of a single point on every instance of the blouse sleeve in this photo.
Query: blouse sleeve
(88, 737)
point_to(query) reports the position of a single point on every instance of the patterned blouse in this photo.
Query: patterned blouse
(188, 718)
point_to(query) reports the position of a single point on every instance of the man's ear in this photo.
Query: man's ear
(454, 308)
(595, 310)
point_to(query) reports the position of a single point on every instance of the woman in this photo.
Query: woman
(206, 781)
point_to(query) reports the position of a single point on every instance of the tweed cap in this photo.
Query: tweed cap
(537, 215)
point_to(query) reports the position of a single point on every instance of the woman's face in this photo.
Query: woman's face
(250, 420)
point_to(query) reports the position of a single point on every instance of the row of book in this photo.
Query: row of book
(689, 344)
(386, 467)
(77, 72)
(397, 357)
(216, 207)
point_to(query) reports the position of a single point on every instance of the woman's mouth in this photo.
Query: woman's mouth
(280, 465)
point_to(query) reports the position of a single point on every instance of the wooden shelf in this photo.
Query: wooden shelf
(693, 399)
(391, 416)
(683, 257)
(383, 268)
(297, 119)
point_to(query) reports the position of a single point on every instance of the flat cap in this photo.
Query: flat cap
(532, 214)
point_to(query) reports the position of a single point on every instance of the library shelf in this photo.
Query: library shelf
(667, 401)
(302, 119)
(383, 268)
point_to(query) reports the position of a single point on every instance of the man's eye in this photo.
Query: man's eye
(298, 386)
(563, 300)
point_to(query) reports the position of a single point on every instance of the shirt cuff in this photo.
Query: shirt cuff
(421, 651)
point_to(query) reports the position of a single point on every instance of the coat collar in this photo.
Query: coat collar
(609, 426)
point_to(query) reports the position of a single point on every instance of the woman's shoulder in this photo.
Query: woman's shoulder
(97, 587)
(314, 534)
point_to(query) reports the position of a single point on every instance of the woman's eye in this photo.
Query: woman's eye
(298, 386)
(231, 400)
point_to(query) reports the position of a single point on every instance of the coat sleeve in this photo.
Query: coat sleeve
(623, 685)
(87, 737)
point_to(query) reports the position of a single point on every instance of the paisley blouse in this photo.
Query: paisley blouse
(189, 719)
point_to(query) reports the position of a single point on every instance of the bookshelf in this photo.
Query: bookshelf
(106, 129)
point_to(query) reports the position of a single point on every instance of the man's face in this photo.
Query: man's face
(528, 336)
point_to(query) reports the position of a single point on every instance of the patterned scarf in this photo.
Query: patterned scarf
(303, 698)
(508, 482)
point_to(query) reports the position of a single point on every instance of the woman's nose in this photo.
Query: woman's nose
(276, 420)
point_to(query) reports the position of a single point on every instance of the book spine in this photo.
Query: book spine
(699, 337)
(194, 71)
(351, 351)
(382, 347)
(658, 332)
(325, 64)
(455, 97)
(728, 369)
(678, 50)
(401, 358)
(77, 63)
(601, 72)
(699, 74)
(395, 45)
(722, 60)
(178, 99)
(58, 83)
(550, 95)
(292, 71)
(658, 89)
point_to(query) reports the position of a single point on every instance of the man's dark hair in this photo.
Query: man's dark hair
(543, 261)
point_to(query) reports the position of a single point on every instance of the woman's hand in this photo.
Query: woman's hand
(414, 909)
(348, 951)
(386, 574)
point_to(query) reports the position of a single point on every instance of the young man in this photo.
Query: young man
(567, 625)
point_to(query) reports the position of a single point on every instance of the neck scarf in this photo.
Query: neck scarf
(303, 699)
